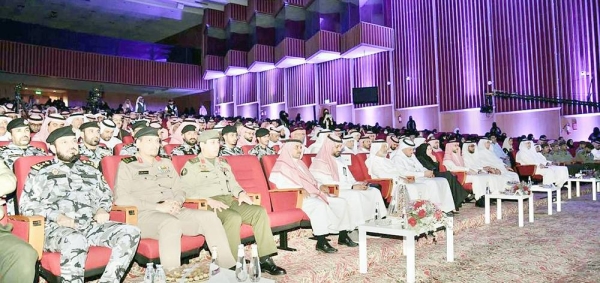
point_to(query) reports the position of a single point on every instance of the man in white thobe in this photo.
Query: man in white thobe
(348, 144)
(437, 190)
(330, 168)
(474, 161)
(107, 129)
(327, 214)
(316, 146)
(487, 157)
(557, 175)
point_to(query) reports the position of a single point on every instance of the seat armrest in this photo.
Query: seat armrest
(255, 198)
(461, 176)
(125, 214)
(333, 189)
(196, 204)
(386, 186)
(30, 229)
(275, 197)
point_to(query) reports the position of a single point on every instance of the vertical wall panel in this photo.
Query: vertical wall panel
(374, 70)
(300, 85)
(224, 90)
(524, 61)
(464, 53)
(271, 86)
(334, 81)
(414, 54)
(246, 92)
(577, 32)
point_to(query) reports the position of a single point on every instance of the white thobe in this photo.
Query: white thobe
(111, 143)
(478, 181)
(324, 218)
(363, 204)
(557, 175)
(596, 154)
(436, 190)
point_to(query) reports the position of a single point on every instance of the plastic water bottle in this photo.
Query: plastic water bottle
(240, 267)
(255, 265)
(213, 268)
(160, 276)
(487, 188)
(149, 275)
(529, 182)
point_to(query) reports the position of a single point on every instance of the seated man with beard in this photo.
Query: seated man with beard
(247, 138)
(190, 142)
(435, 145)
(435, 189)
(476, 160)
(454, 162)
(230, 138)
(364, 144)
(327, 214)
(75, 200)
(262, 147)
(488, 160)
(329, 168)
(348, 144)
(557, 175)
(90, 140)
(107, 130)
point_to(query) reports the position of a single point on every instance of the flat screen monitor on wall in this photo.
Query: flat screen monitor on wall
(365, 95)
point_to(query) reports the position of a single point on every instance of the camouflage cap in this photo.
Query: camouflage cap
(66, 131)
(209, 135)
(17, 123)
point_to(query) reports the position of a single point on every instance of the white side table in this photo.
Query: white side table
(408, 242)
(549, 190)
(578, 182)
(500, 197)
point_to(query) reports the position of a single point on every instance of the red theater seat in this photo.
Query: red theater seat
(249, 174)
(461, 176)
(117, 148)
(28, 228)
(169, 148)
(361, 173)
(148, 248)
(247, 148)
(526, 171)
(127, 139)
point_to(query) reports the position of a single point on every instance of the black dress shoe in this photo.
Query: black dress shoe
(480, 202)
(348, 242)
(269, 266)
(326, 248)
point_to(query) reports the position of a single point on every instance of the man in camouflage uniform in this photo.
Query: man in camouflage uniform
(19, 146)
(75, 200)
(152, 185)
(230, 138)
(90, 145)
(262, 147)
(190, 142)
(209, 176)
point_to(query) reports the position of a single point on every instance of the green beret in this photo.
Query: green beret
(229, 129)
(139, 124)
(209, 135)
(89, 125)
(66, 131)
(146, 131)
(17, 123)
(262, 132)
(188, 128)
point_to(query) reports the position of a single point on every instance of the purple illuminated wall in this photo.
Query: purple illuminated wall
(271, 86)
(374, 70)
(334, 81)
(301, 85)
(247, 88)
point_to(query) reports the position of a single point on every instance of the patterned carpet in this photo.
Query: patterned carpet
(563, 247)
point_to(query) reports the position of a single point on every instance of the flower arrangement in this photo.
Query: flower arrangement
(520, 189)
(424, 217)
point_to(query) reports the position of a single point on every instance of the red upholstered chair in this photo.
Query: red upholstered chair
(4, 143)
(247, 148)
(127, 139)
(307, 158)
(148, 248)
(282, 200)
(50, 262)
(28, 228)
(461, 176)
(169, 148)
(180, 160)
(526, 171)
(117, 148)
(309, 141)
(276, 148)
(361, 173)
(249, 174)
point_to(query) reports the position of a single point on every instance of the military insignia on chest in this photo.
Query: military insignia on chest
(203, 167)
(163, 169)
(183, 171)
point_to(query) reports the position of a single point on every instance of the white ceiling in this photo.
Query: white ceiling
(143, 20)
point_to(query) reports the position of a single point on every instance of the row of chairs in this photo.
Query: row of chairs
(283, 208)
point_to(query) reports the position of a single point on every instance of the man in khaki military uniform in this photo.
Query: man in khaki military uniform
(152, 185)
(210, 177)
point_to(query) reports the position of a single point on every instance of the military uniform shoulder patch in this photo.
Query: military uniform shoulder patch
(194, 160)
(223, 160)
(90, 163)
(41, 165)
(129, 159)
